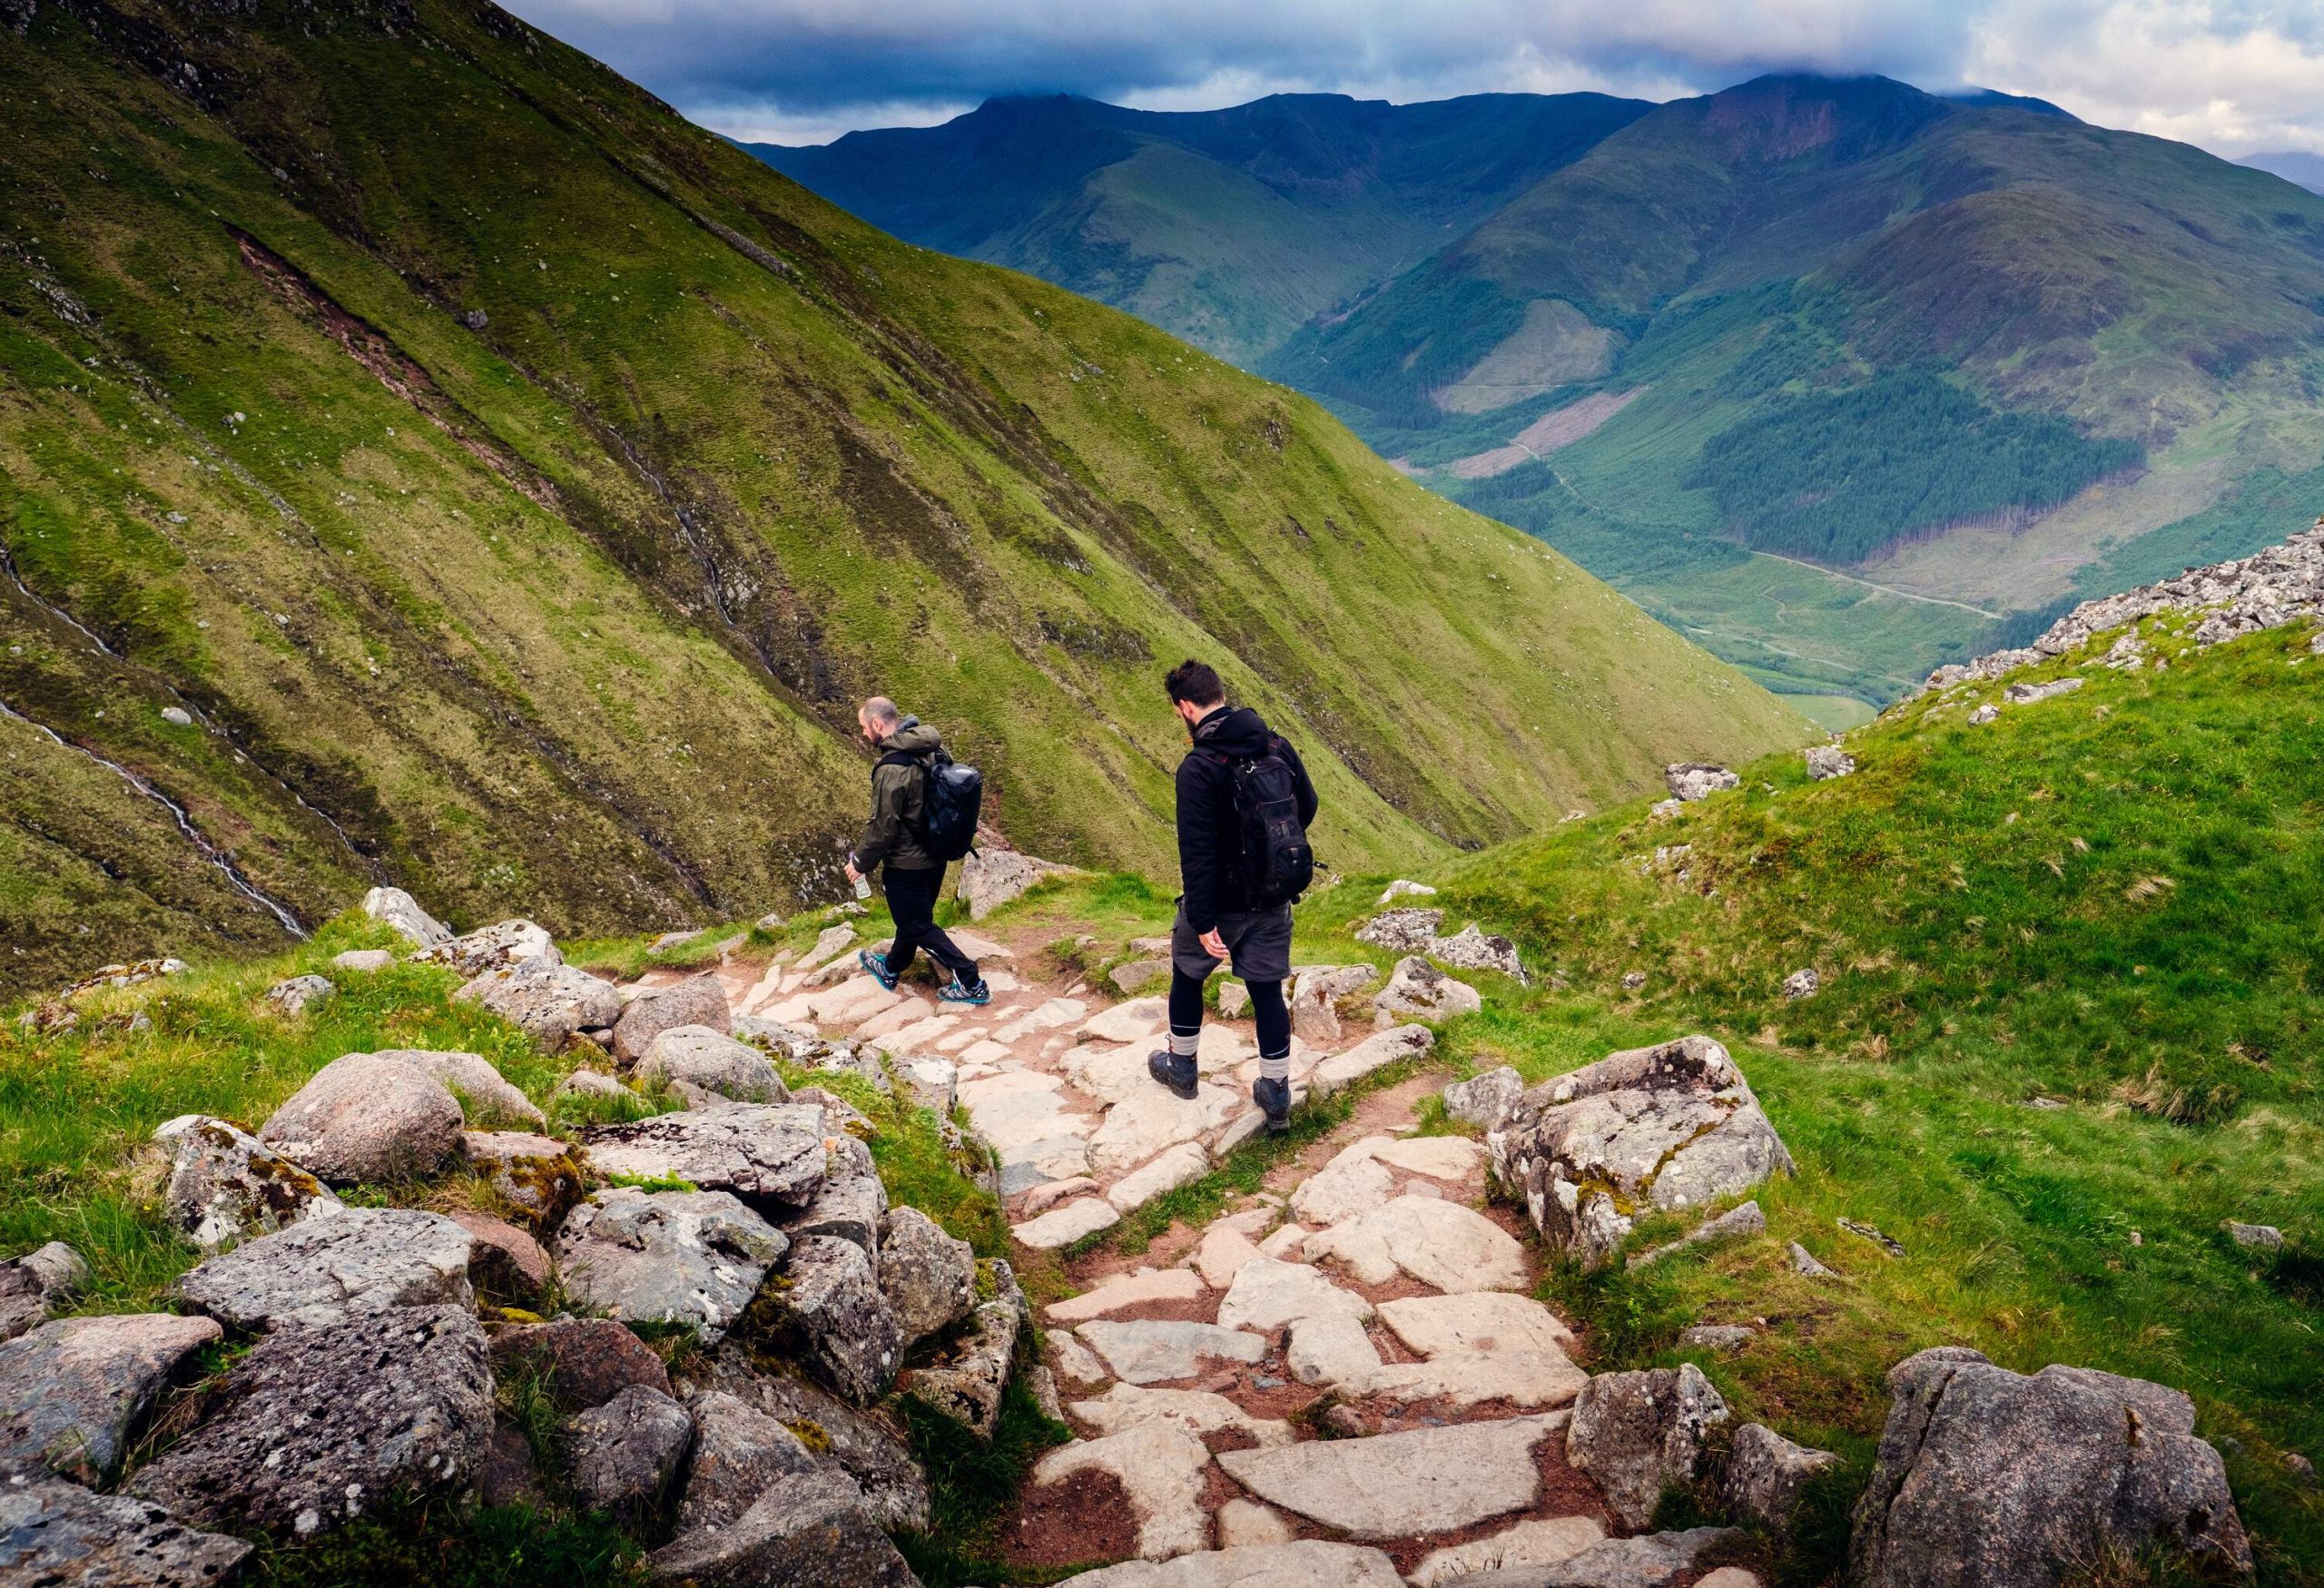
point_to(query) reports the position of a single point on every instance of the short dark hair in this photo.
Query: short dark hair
(1195, 683)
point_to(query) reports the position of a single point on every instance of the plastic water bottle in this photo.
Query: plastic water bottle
(862, 887)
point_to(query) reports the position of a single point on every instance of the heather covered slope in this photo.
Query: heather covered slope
(509, 485)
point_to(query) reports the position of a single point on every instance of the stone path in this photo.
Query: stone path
(1343, 1379)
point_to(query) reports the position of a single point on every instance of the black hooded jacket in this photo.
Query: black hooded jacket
(1210, 835)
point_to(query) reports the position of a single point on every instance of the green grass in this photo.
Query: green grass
(2110, 899)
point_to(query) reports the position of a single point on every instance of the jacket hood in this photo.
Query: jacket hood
(1235, 732)
(911, 737)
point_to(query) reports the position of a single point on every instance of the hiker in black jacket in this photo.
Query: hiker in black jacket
(1216, 919)
(894, 838)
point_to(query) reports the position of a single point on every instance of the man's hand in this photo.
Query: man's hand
(1213, 944)
(853, 876)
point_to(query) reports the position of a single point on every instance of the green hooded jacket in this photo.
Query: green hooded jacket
(899, 800)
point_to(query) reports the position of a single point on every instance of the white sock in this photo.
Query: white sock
(1275, 1066)
(1183, 1044)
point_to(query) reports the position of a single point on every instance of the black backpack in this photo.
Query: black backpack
(952, 794)
(1277, 864)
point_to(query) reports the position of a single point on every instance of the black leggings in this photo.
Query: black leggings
(1267, 1008)
(911, 900)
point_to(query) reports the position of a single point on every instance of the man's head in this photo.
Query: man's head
(1194, 690)
(877, 718)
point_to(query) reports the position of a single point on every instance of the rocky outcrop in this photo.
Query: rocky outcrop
(967, 1384)
(391, 1115)
(1766, 1474)
(225, 1185)
(1406, 930)
(395, 908)
(1698, 780)
(668, 1257)
(535, 1175)
(990, 878)
(362, 1260)
(1639, 1433)
(699, 1061)
(1651, 1128)
(1473, 948)
(583, 1361)
(1418, 988)
(32, 1285)
(863, 1444)
(768, 1154)
(928, 1277)
(621, 1455)
(74, 1392)
(548, 999)
(504, 944)
(1987, 1478)
(699, 1000)
(827, 1308)
(59, 1533)
(1825, 762)
(316, 1427)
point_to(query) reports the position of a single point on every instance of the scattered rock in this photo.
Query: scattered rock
(621, 1456)
(1698, 780)
(1803, 982)
(364, 961)
(1474, 949)
(1889, 1246)
(294, 997)
(535, 1174)
(399, 910)
(698, 1000)
(1983, 714)
(1396, 1485)
(1483, 1100)
(928, 1277)
(1765, 1474)
(1376, 1051)
(1639, 1433)
(225, 1186)
(32, 1285)
(1403, 889)
(1407, 931)
(1304, 1563)
(1744, 1220)
(772, 1153)
(1065, 1225)
(1665, 1128)
(1827, 761)
(1160, 1468)
(711, 1061)
(990, 878)
(317, 1426)
(2262, 1236)
(830, 1305)
(73, 1392)
(1663, 810)
(2081, 1464)
(390, 1115)
(2026, 694)
(1419, 988)
(1803, 1261)
(1234, 1000)
(1717, 1336)
(1144, 1351)
(1543, 1542)
(667, 1257)
(583, 1362)
(59, 1533)
(358, 1261)
(1633, 980)
(550, 1001)
(502, 1257)
(1132, 974)
(592, 1083)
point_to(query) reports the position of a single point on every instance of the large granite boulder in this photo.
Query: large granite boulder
(1485, 1101)
(1408, 931)
(32, 1285)
(319, 1426)
(1419, 988)
(697, 1060)
(765, 1153)
(828, 1309)
(1993, 1479)
(865, 1442)
(740, 1452)
(667, 1257)
(929, 1278)
(1698, 780)
(1652, 1128)
(361, 1260)
(394, 907)
(992, 877)
(225, 1185)
(294, 995)
(491, 948)
(548, 999)
(1639, 1433)
(392, 1114)
(620, 1456)
(59, 1533)
(582, 1362)
(698, 1000)
(73, 1392)
(1766, 1474)
(967, 1384)
(535, 1174)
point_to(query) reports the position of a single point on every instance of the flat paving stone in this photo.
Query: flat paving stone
(1161, 1469)
(1403, 1486)
(1223, 1253)
(1127, 1022)
(1165, 1172)
(1330, 1348)
(1121, 1294)
(1525, 1379)
(1541, 1543)
(1351, 1185)
(1064, 1226)
(1198, 1412)
(1452, 1249)
(1439, 1157)
(1304, 1564)
(1267, 1294)
(1145, 1123)
(1473, 1325)
(1144, 1351)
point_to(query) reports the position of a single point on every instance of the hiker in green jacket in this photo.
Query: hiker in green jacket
(894, 841)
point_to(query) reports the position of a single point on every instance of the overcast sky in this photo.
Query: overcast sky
(2235, 76)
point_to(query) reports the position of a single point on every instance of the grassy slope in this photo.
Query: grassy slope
(2113, 899)
(577, 639)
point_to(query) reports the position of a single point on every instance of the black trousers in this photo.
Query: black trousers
(911, 900)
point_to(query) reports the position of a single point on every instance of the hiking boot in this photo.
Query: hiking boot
(1274, 1098)
(876, 967)
(955, 991)
(1172, 1071)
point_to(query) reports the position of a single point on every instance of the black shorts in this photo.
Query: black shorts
(1259, 942)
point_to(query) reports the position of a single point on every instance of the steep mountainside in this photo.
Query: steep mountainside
(1230, 227)
(424, 457)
